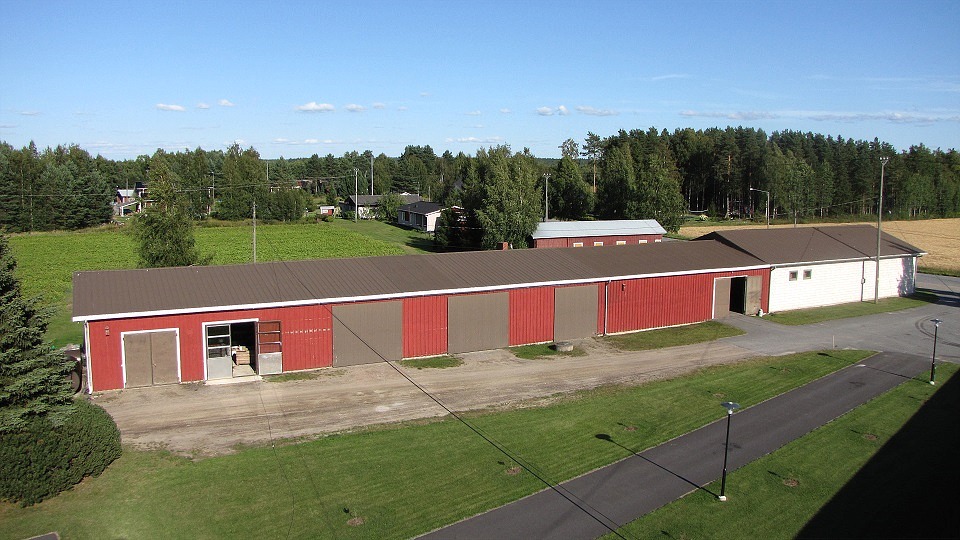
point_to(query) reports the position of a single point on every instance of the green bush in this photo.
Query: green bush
(42, 460)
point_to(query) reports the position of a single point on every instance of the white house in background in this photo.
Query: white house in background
(419, 215)
(820, 266)
(366, 205)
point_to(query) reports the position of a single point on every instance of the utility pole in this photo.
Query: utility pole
(254, 231)
(876, 288)
(371, 173)
(356, 193)
(546, 198)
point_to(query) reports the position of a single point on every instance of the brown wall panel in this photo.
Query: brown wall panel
(478, 322)
(366, 333)
(163, 347)
(575, 312)
(721, 298)
(754, 294)
(137, 361)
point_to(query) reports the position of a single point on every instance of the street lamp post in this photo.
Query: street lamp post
(933, 361)
(876, 289)
(730, 406)
(546, 197)
(768, 204)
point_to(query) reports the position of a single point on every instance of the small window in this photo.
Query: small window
(621, 242)
(807, 274)
(793, 275)
(643, 241)
(578, 244)
(595, 244)
(658, 240)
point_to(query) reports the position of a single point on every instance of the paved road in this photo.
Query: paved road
(619, 493)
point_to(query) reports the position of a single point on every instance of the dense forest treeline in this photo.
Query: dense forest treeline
(632, 174)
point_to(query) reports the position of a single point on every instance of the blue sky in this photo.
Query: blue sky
(296, 78)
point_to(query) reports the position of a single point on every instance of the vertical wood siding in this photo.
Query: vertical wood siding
(424, 326)
(531, 315)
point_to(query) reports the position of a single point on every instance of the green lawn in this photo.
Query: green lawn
(795, 482)
(46, 261)
(855, 309)
(434, 362)
(410, 240)
(543, 350)
(400, 480)
(672, 337)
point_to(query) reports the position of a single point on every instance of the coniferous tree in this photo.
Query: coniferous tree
(33, 376)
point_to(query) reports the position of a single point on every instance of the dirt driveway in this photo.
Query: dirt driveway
(205, 420)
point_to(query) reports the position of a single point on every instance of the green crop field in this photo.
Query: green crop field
(46, 261)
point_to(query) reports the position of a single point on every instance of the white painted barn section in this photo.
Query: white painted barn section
(821, 266)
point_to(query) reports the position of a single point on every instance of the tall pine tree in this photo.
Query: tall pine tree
(33, 376)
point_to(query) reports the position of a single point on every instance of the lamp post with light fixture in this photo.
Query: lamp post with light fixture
(933, 361)
(730, 406)
(768, 203)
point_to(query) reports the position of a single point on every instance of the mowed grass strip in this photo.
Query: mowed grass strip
(672, 337)
(855, 309)
(46, 261)
(401, 480)
(434, 362)
(543, 350)
(796, 481)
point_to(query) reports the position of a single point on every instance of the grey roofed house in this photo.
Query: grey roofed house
(814, 244)
(367, 204)
(616, 227)
(420, 215)
(155, 291)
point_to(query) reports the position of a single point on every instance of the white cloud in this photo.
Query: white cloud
(29, 113)
(313, 106)
(8, 126)
(544, 111)
(473, 113)
(505, 111)
(424, 94)
(202, 105)
(225, 103)
(378, 105)
(402, 108)
(475, 140)
(353, 107)
(562, 110)
(311, 141)
(669, 76)
(585, 109)
(733, 115)
(166, 107)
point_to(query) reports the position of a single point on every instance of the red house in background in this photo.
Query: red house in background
(620, 232)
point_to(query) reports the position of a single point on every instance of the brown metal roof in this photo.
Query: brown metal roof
(124, 293)
(813, 244)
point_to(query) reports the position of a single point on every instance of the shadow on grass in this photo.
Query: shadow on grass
(909, 489)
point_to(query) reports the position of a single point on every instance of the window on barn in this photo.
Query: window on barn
(595, 244)
(807, 274)
(621, 242)
(793, 275)
(643, 241)
(578, 244)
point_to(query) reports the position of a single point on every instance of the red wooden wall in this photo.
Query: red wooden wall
(424, 326)
(531, 315)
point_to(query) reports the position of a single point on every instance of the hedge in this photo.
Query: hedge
(42, 460)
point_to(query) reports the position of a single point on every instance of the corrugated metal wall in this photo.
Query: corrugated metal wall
(656, 302)
(424, 326)
(531, 315)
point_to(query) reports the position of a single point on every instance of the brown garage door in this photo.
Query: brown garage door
(721, 298)
(575, 312)
(478, 322)
(150, 358)
(754, 292)
(367, 333)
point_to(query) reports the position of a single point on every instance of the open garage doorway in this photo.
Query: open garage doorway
(231, 349)
(739, 294)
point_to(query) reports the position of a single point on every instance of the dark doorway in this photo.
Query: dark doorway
(738, 294)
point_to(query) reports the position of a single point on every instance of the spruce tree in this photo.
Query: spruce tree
(33, 376)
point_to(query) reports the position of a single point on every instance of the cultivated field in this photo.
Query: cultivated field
(940, 238)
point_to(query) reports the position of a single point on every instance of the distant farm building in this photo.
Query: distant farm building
(419, 215)
(621, 232)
